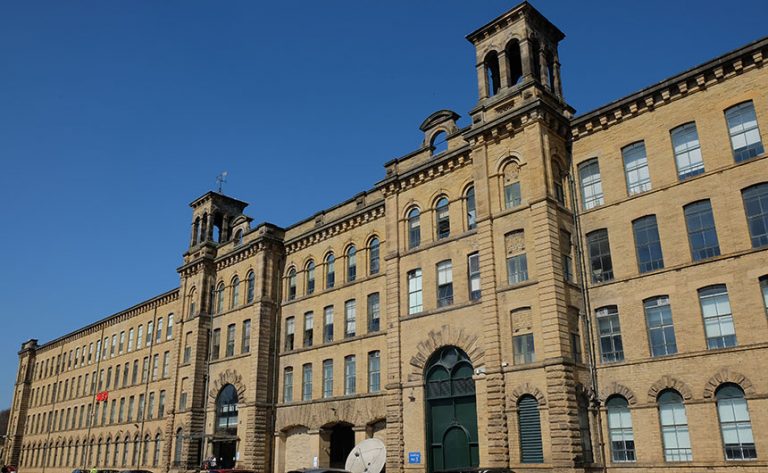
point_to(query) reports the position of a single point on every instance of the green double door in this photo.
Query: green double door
(451, 411)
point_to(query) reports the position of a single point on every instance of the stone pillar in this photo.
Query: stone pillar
(543, 68)
(209, 234)
(482, 82)
(526, 58)
(556, 72)
(504, 79)
(279, 455)
(204, 228)
(361, 433)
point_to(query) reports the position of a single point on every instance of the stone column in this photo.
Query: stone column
(556, 72)
(504, 79)
(543, 68)
(525, 58)
(482, 82)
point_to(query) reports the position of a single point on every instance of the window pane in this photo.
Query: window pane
(636, 168)
(701, 230)
(591, 186)
(685, 142)
(601, 266)
(742, 127)
(647, 244)
(756, 207)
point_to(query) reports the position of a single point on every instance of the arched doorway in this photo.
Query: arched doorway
(225, 430)
(342, 443)
(451, 407)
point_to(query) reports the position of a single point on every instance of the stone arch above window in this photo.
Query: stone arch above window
(616, 389)
(228, 377)
(436, 339)
(725, 376)
(668, 382)
(527, 389)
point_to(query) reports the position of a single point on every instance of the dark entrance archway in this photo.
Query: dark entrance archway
(342, 443)
(451, 411)
(225, 434)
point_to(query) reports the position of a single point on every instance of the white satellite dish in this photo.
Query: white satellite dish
(369, 456)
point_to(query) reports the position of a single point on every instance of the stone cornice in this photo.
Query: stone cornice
(426, 172)
(515, 121)
(113, 319)
(367, 214)
(682, 85)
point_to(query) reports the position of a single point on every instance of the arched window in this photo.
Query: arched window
(529, 424)
(235, 292)
(145, 450)
(685, 144)
(620, 430)
(514, 63)
(124, 460)
(116, 457)
(291, 284)
(439, 143)
(674, 428)
(178, 447)
(330, 271)
(238, 238)
(136, 450)
(351, 263)
(471, 210)
(492, 76)
(745, 135)
(443, 220)
(310, 288)
(107, 445)
(590, 184)
(250, 290)
(226, 409)
(373, 256)
(414, 228)
(220, 298)
(156, 454)
(735, 425)
(756, 207)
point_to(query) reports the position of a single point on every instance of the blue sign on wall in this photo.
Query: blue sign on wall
(414, 457)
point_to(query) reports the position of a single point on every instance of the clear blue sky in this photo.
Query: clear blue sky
(114, 115)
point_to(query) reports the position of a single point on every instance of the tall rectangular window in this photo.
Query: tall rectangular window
(306, 382)
(130, 339)
(187, 348)
(756, 208)
(161, 405)
(120, 345)
(290, 327)
(145, 369)
(601, 266)
(473, 276)
(374, 313)
(155, 366)
(169, 330)
(309, 332)
(215, 344)
(415, 303)
(374, 371)
(140, 337)
(414, 228)
(328, 324)
(151, 405)
(230, 349)
(702, 235)
(764, 290)
(567, 261)
(288, 384)
(350, 376)
(647, 244)
(350, 324)
(524, 349)
(159, 331)
(517, 269)
(327, 378)
(150, 333)
(512, 195)
(590, 183)
(609, 329)
(745, 135)
(718, 319)
(636, 168)
(444, 283)
(245, 346)
(685, 143)
(166, 364)
(661, 331)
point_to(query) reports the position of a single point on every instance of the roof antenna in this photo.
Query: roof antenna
(220, 180)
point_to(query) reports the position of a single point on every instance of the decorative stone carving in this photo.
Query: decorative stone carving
(446, 336)
(668, 382)
(228, 377)
(511, 172)
(524, 389)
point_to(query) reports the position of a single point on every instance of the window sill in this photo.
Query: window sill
(333, 343)
(511, 287)
(679, 267)
(435, 243)
(337, 287)
(679, 356)
(667, 186)
(440, 310)
(344, 397)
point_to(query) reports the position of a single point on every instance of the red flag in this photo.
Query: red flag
(102, 396)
